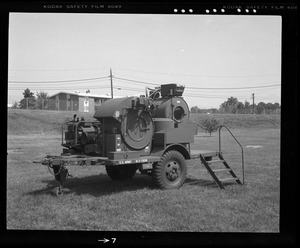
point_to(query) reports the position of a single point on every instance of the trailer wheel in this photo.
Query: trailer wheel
(121, 172)
(58, 191)
(170, 172)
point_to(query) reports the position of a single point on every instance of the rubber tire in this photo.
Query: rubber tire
(57, 191)
(121, 172)
(160, 170)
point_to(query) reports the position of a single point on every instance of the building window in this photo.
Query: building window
(98, 100)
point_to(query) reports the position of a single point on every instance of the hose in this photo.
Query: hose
(53, 173)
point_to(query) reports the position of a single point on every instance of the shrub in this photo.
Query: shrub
(209, 124)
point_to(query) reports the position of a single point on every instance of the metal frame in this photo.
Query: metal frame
(76, 124)
(83, 159)
(242, 150)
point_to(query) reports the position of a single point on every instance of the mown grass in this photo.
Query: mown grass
(94, 202)
(21, 121)
(238, 121)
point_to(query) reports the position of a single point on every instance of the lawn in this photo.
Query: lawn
(94, 202)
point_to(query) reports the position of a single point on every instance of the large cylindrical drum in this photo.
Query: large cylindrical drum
(137, 129)
(174, 108)
(113, 108)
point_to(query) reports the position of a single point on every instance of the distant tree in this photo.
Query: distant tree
(209, 124)
(261, 108)
(15, 105)
(270, 106)
(266, 108)
(240, 105)
(42, 95)
(194, 109)
(28, 101)
(214, 110)
(27, 93)
(239, 108)
(230, 105)
(246, 108)
(246, 104)
(42, 100)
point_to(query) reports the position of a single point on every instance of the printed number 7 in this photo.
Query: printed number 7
(114, 240)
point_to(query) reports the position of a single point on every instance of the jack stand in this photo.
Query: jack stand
(58, 191)
(61, 174)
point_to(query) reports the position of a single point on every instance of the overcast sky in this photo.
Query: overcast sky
(215, 57)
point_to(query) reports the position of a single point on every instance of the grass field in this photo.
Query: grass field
(42, 122)
(94, 202)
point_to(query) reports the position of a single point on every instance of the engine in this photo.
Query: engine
(132, 125)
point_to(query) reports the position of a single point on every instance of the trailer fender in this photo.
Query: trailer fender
(180, 148)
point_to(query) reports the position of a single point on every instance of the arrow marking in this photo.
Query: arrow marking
(103, 240)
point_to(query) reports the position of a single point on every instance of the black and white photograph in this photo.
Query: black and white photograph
(167, 122)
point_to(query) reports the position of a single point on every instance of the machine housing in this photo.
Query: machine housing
(133, 126)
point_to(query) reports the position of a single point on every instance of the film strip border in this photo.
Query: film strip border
(152, 8)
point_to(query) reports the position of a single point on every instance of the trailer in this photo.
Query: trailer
(149, 133)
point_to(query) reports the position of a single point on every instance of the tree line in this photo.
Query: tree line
(30, 101)
(233, 106)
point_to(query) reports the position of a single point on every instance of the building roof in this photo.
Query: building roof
(82, 94)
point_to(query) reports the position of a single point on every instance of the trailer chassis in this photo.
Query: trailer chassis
(57, 165)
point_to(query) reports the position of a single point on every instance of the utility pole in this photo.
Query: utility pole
(111, 84)
(253, 103)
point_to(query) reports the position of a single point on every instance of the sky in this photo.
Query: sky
(214, 57)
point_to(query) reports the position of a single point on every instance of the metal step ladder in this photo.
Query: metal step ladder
(220, 159)
(213, 172)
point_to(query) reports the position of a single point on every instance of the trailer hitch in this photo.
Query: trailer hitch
(60, 173)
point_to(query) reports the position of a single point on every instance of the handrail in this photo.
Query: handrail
(220, 127)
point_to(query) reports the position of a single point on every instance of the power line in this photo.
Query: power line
(58, 81)
(205, 88)
(127, 88)
(87, 69)
(135, 81)
(66, 89)
(235, 88)
(55, 85)
(69, 87)
(186, 94)
(203, 96)
(131, 81)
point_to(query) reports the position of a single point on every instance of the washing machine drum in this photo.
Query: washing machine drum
(137, 129)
